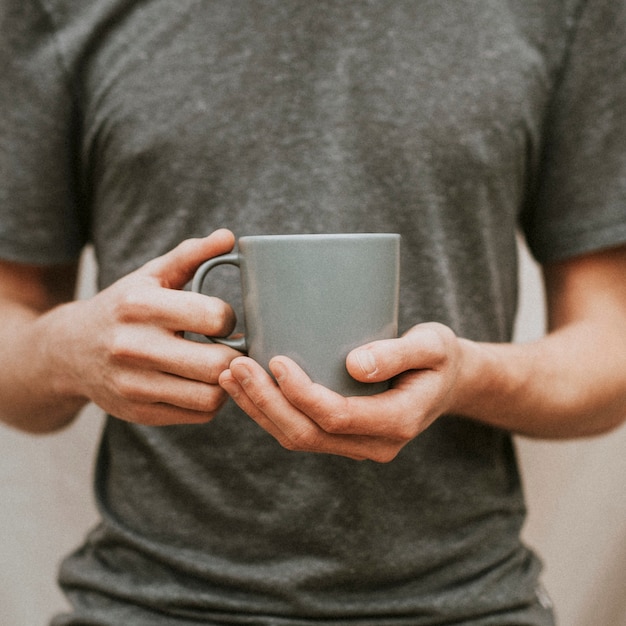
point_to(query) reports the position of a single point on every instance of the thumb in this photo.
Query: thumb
(175, 269)
(425, 346)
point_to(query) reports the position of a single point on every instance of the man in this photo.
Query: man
(139, 125)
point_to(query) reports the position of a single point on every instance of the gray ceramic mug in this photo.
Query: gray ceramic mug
(314, 298)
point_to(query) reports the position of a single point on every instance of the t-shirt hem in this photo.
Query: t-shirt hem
(552, 247)
(18, 253)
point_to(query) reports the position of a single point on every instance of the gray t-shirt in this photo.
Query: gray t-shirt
(133, 125)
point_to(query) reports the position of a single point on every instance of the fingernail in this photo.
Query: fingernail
(279, 371)
(228, 384)
(367, 362)
(241, 371)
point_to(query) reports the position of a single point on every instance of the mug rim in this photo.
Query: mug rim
(319, 236)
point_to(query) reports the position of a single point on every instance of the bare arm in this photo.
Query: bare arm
(122, 349)
(27, 294)
(570, 383)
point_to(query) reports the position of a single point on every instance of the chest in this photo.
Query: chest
(238, 82)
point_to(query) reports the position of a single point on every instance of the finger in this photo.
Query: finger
(136, 388)
(255, 392)
(302, 442)
(198, 313)
(154, 414)
(174, 310)
(393, 415)
(157, 350)
(424, 346)
(191, 395)
(235, 390)
(259, 396)
(203, 362)
(176, 268)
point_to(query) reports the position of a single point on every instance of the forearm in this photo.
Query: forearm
(33, 395)
(570, 383)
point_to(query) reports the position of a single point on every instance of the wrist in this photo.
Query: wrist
(55, 370)
(491, 379)
(58, 333)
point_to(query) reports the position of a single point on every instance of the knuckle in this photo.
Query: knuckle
(205, 368)
(123, 348)
(436, 339)
(141, 414)
(128, 304)
(407, 429)
(332, 414)
(216, 317)
(405, 432)
(223, 318)
(289, 444)
(385, 455)
(263, 401)
(305, 439)
(212, 401)
(335, 423)
(187, 246)
(211, 372)
(443, 333)
(125, 387)
(118, 347)
(439, 339)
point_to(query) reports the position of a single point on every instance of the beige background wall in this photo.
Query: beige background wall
(576, 495)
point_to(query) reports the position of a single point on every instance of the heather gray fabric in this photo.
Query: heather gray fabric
(133, 125)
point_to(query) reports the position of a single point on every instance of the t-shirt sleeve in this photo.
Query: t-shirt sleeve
(580, 205)
(40, 221)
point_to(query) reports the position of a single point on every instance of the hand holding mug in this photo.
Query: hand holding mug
(125, 349)
(425, 365)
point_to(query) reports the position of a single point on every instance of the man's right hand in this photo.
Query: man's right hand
(122, 349)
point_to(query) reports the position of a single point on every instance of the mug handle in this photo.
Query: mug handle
(237, 343)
